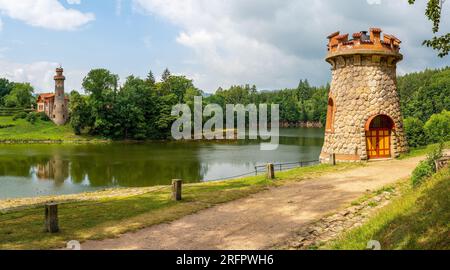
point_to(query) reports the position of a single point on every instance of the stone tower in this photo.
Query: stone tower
(363, 118)
(60, 111)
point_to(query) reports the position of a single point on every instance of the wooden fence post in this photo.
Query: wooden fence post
(270, 171)
(332, 159)
(51, 218)
(176, 189)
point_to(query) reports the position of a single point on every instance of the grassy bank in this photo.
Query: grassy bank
(109, 217)
(419, 219)
(22, 131)
(423, 150)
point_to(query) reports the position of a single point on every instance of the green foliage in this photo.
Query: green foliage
(42, 116)
(99, 82)
(437, 127)
(31, 117)
(21, 115)
(441, 44)
(416, 220)
(21, 95)
(433, 13)
(5, 88)
(80, 112)
(304, 103)
(424, 93)
(415, 132)
(166, 75)
(421, 172)
(150, 78)
(426, 168)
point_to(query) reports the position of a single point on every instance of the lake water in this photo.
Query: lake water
(36, 170)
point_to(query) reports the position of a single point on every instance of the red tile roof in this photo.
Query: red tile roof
(46, 95)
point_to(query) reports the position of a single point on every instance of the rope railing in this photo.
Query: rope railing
(287, 165)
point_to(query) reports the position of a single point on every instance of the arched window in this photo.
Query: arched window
(330, 115)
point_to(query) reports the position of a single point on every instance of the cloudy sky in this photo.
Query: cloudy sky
(270, 43)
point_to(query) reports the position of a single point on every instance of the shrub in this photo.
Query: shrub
(426, 168)
(21, 115)
(42, 116)
(31, 117)
(421, 172)
(437, 128)
(415, 132)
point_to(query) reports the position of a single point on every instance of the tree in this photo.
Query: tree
(99, 81)
(414, 131)
(5, 88)
(21, 96)
(433, 13)
(166, 74)
(80, 113)
(177, 85)
(304, 91)
(437, 127)
(150, 78)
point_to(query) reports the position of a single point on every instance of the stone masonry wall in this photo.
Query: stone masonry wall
(362, 88)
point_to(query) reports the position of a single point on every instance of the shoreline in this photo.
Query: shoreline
(110, 141)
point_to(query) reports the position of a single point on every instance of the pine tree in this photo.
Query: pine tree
(151, 78)
(166, 74)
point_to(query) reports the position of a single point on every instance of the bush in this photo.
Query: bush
(21, 115)
(31, 117)
(421, 172)
(415, 132)
(427, 168)
(42, 116)
(437, 128)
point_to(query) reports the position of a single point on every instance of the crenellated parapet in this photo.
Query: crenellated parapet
(373, 48)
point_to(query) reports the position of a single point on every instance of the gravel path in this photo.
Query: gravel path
(266, 218)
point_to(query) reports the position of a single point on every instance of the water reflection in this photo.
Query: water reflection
(31, 170)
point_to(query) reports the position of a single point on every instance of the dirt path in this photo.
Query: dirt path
(266, 218)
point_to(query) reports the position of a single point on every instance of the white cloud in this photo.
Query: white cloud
(40, 75)
(50, 14)
(275, 43)
(1, 24)
(118, 7)
(374, 2)
(73, 2)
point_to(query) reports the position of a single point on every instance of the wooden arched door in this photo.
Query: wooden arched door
(378, 136)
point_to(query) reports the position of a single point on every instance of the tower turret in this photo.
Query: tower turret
(363, 118)
(60, 112)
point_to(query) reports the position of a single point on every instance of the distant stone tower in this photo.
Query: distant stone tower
(60, 112)
(363, 118)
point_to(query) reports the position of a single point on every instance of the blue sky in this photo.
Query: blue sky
(270, 43)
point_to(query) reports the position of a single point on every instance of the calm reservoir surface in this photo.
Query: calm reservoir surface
(36, 170)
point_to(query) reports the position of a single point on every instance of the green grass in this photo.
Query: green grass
(417, 220)
(421, 151)
(110, 217)
(21, 130)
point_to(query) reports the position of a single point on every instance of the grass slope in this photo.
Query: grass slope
(418, 220)
(21, 130)
(110, 217)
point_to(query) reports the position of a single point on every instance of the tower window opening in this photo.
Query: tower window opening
(330, 115)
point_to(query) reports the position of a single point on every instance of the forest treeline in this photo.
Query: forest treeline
(141, 108)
